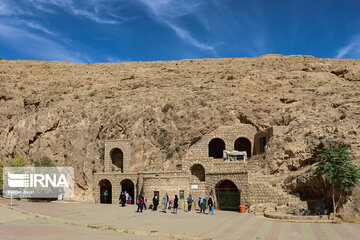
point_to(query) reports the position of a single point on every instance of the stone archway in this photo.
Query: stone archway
(128, 186)
(228, 195)
(216, 148)
(117, 158)
(243, 144)
(105, 186)
(198, 171)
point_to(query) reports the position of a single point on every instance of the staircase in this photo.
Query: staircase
(261, 190)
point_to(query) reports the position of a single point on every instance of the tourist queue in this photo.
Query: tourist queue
(168, 203)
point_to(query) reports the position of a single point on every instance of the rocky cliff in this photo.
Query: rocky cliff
(65, 111)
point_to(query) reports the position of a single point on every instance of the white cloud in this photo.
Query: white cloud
(345, 50)
(168, 11)
(185, 35)
(97, 11)
(40, 28)
(351, 50)
(36, 46)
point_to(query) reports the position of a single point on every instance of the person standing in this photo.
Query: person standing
(122, 199)
(203, 204)
(106, 194)
(140, 202)
(155, 202)
(199, 204)
(144, 202)
(211, 205)
(166, 202)
(126, 196)
(190, 201)
(176, 204)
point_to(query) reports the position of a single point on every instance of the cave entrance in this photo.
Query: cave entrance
(216, 148)
(198, 171)
(243, 144)
(117, 158)
(128, 186)
(228, 196)
(105, 191)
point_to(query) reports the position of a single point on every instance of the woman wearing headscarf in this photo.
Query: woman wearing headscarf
(211, 205)
(155, 202)
(202, 204)
(176, 204)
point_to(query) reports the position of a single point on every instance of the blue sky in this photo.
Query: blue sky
(146, 30)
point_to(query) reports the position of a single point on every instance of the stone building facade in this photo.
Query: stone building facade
(203, 171)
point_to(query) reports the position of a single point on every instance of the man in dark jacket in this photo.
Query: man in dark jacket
(190, 201)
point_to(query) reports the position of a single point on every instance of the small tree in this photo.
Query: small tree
(339, 172)
(44, 162)
(19, 161)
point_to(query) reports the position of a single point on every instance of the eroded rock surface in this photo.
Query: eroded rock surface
(65, 110)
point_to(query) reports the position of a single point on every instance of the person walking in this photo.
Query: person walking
(155, 202)
(190, 201)
(211, 205)
(166, 202)
(176, 204)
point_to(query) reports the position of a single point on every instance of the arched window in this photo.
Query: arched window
(243, 144)
(117, 158)
(198, 171)
(216, 148)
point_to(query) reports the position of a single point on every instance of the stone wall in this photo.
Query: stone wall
(125, 146)
(115, 180)
(170, 182)
(253, 189)
(228, 134)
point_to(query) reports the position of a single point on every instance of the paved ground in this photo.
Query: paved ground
(60, 220)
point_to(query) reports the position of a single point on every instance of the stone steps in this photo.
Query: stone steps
(262, 191)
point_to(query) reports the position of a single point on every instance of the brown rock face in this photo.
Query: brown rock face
(65, 110)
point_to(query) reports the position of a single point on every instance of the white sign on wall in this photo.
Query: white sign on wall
(194, 186)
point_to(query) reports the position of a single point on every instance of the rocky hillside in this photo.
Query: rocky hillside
(65, 111)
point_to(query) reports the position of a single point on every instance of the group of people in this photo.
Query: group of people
(210, 203)
(170, 203)
(124, 198)
(174, 204)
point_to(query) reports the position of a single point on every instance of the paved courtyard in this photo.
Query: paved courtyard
(62, 220)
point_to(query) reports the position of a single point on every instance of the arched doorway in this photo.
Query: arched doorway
(216, 148)
(198, 171)
(105, 187)
(227, 196)
(243, 144)
(128, 186)
(117, 158)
